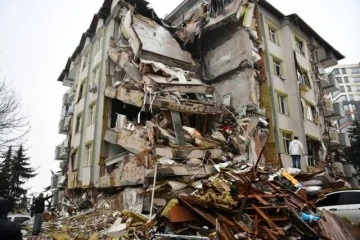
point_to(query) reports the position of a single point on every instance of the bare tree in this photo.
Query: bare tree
(14, 125)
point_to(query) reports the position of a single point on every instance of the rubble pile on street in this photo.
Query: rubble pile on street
(247, 202)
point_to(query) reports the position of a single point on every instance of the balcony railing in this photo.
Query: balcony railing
(61, 151)
(334, 138)
(333, 111)
(331, 85)
(344, 140)
(62, 128)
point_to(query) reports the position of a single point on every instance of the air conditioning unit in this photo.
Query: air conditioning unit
(92, 87)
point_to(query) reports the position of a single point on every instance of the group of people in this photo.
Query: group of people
(11, 230)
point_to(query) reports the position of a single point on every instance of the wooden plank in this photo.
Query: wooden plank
(269, 232)
(261, 200)
(175, 116)
(264, 195)
(242, 225)
(264, 216)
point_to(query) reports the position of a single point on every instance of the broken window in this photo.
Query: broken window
(286, 139)
(78, 123)
(130, 111)
(92, 111)
(299, 46)
(277, 66)
(273, 35)
(89, 153)
(282, 104)
(303, 76)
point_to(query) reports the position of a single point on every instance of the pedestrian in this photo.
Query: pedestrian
(8, 230)
(296, 149)
(39, 207)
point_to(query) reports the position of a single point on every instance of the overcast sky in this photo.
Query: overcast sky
(37, 37)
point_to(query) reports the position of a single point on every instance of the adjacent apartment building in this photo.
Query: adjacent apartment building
(203, 56)
(348, 79)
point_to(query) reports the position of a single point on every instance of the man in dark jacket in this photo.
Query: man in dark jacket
(8, 230)
(39, 207)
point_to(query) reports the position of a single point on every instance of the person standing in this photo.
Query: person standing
(39, 207)
(296, 149)
(8, 230)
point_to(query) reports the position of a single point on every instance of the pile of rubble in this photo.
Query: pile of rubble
(248, 202)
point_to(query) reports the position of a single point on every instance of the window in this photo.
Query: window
(356, 88)
(348, 88)
(78, 123)
(92, 112)
(346, 79)
(356, 79)
(330, 200)
(353, 107)
(351, 98)
(346, 108)
(342, 89)
(311, 113)
(277, 66)
(339, 80)
(89, 153)
(81, 93)
(343, 70)
(299, 46)
(96, 75)
(347, 198)
(99, 44)
(355, 70)
(273, 37)
(286, 138)
(85, 61)
(74, 158)
(336, 71)
(303, 76)
(282, 104)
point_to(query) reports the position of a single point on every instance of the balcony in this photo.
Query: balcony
(331, 85)
(71, 93)
(62, 128)
(66, 98)
(61, 151)
(67, 122)
(54, 181)
(344, 140)
(333, 111)
(334, 138)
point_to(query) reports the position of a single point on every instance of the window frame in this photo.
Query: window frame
(297, 39)
(89, 150)
(78, 123)
(277, 64)
(273, 33)
(283, 104)
(286, 141)
(92, 112)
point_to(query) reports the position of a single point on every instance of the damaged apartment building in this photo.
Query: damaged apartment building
(214, 84)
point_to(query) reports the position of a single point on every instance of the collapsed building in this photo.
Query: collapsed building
(159, 104)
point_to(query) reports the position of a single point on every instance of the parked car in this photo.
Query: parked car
(342, 203)
(22, 219)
